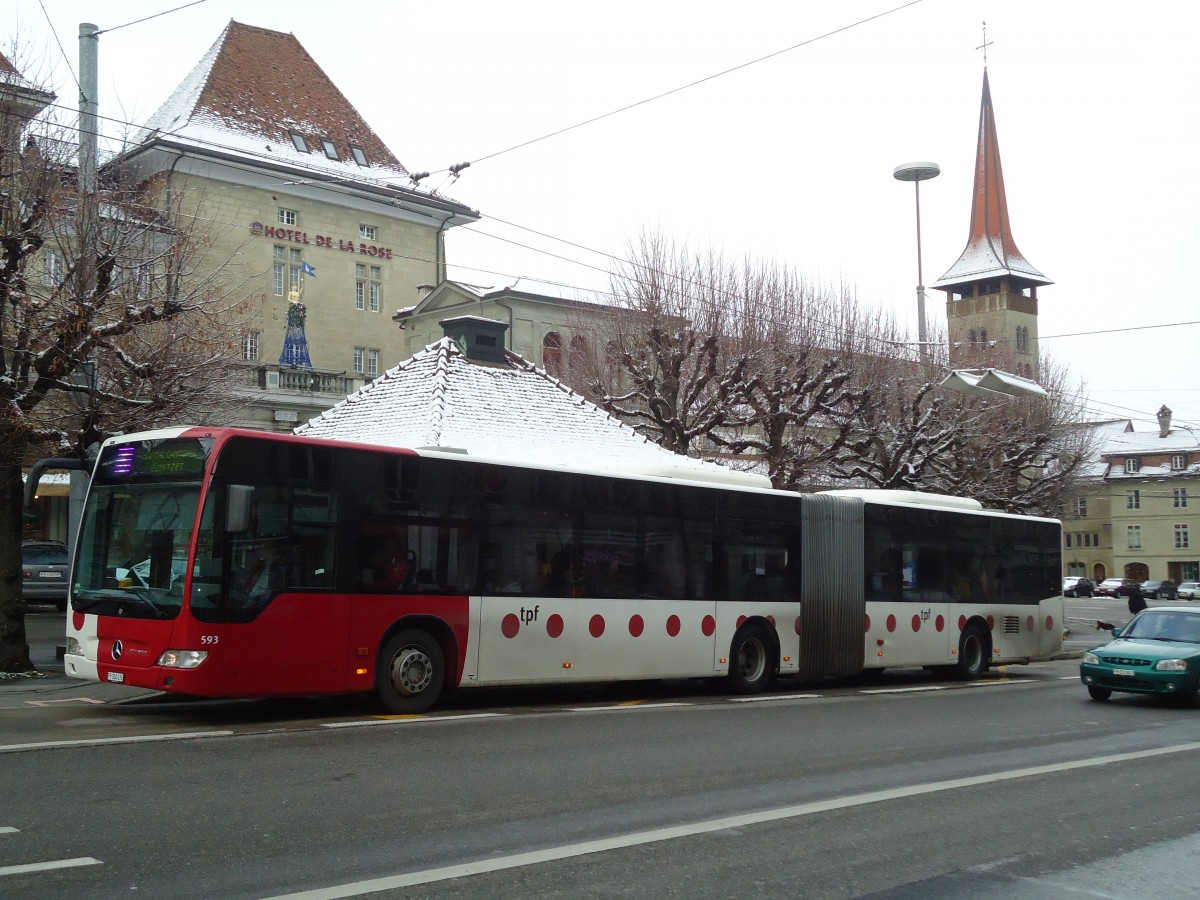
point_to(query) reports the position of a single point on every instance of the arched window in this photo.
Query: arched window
(552, 353)
(612, 362)
(973, 338)
(983, 338)
(577, 355)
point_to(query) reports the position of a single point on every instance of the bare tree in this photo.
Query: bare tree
(112, 316)
(666, 341)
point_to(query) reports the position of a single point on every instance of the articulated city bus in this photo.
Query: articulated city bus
(234, 563)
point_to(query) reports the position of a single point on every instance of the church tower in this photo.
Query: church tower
(991, 292)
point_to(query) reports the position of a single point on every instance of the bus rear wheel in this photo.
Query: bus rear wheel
(972, 653)
(751, 660)
(411, 672)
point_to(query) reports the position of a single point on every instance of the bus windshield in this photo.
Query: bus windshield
(136, 528)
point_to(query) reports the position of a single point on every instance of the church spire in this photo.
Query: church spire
(991, 250)
(991, 291)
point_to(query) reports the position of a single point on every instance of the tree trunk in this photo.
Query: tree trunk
(14, 649)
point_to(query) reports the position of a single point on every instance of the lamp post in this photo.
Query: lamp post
(916, 172)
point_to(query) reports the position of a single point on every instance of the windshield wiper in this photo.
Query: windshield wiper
(97, 598)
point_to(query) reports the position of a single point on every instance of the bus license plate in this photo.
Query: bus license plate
(118, 677)
(1127, 673)
(49, 574)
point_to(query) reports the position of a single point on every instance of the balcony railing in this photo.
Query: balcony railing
(324, 383)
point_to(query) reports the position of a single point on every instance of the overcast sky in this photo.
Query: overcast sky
(789, 158)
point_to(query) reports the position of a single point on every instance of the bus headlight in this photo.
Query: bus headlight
(74, 648)
(1091, 659)
(182, 659)
(1171, 665)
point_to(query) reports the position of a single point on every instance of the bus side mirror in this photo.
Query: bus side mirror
(239, 499)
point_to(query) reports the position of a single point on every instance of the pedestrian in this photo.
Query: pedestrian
(1136, 601)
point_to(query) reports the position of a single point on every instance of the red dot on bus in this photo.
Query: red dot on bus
(510, 625)
(962, 622)
(596, 625)
(771, 619)
(916, 623)
(554, 625)
(1029, 624)
(708, 626)
(866, 623)
(673, 625)
(741, 621)
(991, 623)
(798, 624)
(939, 623)
(77, 620)
(636, 626)
(1049, 623)
(891, 623)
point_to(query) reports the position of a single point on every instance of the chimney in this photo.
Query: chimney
(481, 340)
(1164, 421)
(424, 290)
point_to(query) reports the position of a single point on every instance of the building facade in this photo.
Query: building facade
(1137, 511)
(322, 232)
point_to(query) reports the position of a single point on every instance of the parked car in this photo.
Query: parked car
(44, 566)
(1159, 590)
(1189, 590)
(1157, 652)
(1078, 586)
(1115, 587)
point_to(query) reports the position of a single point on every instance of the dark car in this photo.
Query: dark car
(1158, 652)
(44, 566)
(1159, 590)
(1115, 587)
(1078, 586)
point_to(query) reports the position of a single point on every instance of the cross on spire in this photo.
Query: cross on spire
(986, 43)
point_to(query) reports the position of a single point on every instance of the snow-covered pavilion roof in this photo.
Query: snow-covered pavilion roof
(512, 411)
(991, 250)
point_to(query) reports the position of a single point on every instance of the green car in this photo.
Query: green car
(1157, 652)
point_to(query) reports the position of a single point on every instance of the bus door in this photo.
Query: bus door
(832, 601)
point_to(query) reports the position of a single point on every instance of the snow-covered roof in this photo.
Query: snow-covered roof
(512, 412)
(252, 92)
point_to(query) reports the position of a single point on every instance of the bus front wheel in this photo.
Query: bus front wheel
(411, 672)
(972, 653)
(751, 660)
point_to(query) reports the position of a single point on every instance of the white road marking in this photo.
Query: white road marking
(1001, 681)
(65, 700)
(410, 720)
(656, 835)
(622, 707)
(907, 690)
(47, 866)
(774, 697)
(132, 739)
(7, 829)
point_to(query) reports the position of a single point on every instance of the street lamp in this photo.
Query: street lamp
(916, 172)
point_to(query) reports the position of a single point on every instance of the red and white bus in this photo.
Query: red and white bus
(234, 563)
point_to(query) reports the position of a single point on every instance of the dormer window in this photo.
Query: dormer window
(1179, 461)
(299, 143)
(330, 150)
(359, 156)
(1132, 464)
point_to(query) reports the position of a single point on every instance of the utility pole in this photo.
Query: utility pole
(88, 223)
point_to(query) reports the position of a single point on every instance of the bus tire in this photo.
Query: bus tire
(972, 653)
(1099, 694)
(411, 672)
(751, 660)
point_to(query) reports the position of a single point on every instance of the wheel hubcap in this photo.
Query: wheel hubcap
(751, 660)
(412, 670)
